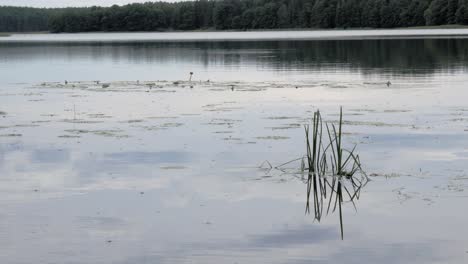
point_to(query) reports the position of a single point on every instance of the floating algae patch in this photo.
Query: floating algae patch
(227, 120)
(220, 108)
(223, 132)
(170, 125)
(387, 175)
(222, 122)
(131, 121)
(281, 117)
(163, 91)
(370, 123)
(105, 133)
(25, 125)
(396, 111)
(99, 115)
(219, 89)
(69, 136)
(287, 126)
(223, 109)
(461, 119)
(151, 128)
(162, 117)
(363, 110)
(41, 121)
(11, 135)
(250, 89)
(160, 127)
(232, 139)
(349, 114)
(273, 138)
(173, 168)
(81, 121)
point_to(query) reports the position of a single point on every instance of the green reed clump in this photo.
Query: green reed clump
(339, 183)
(343, 162)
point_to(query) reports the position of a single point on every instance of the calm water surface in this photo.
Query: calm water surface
(148, 171)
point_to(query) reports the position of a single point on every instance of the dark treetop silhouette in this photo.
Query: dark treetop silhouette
(237, 14)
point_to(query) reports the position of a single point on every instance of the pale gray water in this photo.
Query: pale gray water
(129, 174)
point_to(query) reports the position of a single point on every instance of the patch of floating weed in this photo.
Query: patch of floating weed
(69, 136)
(461, 119)
(151, 128)
(396, 111)
(232, 139)
(105, 133)
(370, 123)
(287, 126)
(98, 116)
(163, 117)
(173, 168)
(25, 125)
(363, 110)
(223, 109)
(171, 125)
(385, 175)
(133, 121)
(81, 121)
(273, 138)
(11, 135)
(281, 117)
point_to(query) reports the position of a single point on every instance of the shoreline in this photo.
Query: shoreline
(212, 36)
(211, 30)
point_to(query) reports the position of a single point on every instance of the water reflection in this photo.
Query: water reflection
(405, 57)
(333, 192)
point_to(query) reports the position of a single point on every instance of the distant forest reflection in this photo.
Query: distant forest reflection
(389, 56)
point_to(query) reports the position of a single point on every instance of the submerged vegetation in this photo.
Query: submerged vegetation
(334, 173)
(237, 14)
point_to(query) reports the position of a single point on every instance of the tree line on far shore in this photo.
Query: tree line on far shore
(237, 15)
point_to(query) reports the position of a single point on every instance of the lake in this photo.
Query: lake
(111, 151)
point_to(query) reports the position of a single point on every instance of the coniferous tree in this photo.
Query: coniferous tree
(237, 14)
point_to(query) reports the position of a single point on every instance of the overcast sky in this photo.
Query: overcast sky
(62, 3)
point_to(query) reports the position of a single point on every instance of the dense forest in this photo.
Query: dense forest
(237, 14)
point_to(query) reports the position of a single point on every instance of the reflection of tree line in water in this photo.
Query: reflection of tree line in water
(398, 55)
(334, 175)
(422, 56)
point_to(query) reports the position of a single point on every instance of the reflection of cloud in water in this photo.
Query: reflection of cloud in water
(302, 245)
(53, 172)
(385, 254)
(306, 235)
(147, 157)
(50, 156)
